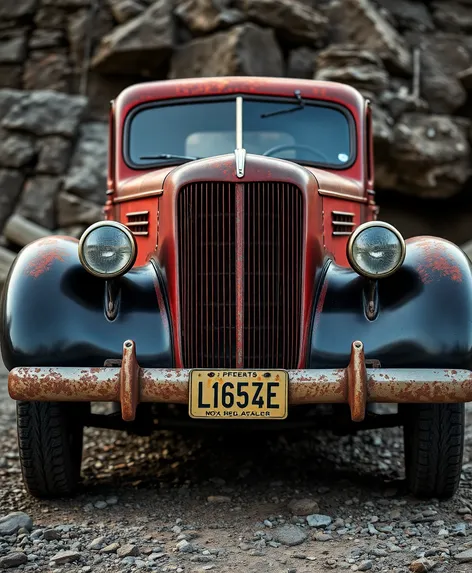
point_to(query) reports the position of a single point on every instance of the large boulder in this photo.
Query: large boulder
(143, 44)
(11, 184)
(8, 98)
(382, 132)
(206, 16)
(78, 32)
(293, 19)
(14, 9)
(43, 112)
(430, 155)
(360, 22)
(101, 89)
(302, 63)
(38, 200)
(87, 174)
(11, 76)
(443, 56)
(12, 46)
(54, 153)
(17, 149)
(45, 39)
(452, 16)
(47, 70)
(73, 210)
(465, 77)
(352, 65)
(124, 10)
(50, 17)
(408, 14)
(233, 52)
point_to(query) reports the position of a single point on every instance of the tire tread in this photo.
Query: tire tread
(434, 446)
(50, 464)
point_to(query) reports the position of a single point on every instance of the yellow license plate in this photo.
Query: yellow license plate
(238, 394)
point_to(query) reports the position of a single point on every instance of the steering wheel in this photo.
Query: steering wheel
(312, 150)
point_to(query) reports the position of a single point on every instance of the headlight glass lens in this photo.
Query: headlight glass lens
(107, 250)
(377, 251)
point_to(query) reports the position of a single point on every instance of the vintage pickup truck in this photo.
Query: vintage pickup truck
(240, 275)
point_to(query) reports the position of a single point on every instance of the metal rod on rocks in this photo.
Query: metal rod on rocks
(416, 72)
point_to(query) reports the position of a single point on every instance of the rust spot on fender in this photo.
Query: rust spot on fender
(45, 258)
(437, 262)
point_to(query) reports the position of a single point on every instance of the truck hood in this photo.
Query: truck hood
(261, 166)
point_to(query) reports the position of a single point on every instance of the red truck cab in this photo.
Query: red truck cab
(201, 115)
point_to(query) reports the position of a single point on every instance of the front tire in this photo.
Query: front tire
(434, 447)
(50, 439)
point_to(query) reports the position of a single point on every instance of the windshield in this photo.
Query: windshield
(303, 132)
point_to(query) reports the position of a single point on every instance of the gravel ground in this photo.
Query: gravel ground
(295, 502)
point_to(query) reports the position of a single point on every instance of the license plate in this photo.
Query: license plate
(241, 394)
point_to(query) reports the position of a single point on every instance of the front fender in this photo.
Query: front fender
(425, 312)
(53, 312)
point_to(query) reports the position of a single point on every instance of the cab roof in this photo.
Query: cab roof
(197, 87)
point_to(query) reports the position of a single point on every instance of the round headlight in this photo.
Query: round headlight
(376, 250)
(107, 249)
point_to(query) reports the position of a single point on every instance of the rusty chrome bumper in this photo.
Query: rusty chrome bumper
(129, 384)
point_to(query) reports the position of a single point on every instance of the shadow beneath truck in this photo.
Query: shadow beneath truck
(302, 458)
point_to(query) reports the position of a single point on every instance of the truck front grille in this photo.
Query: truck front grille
(240, 274)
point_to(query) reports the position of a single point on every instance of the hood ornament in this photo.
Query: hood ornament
(239, 152)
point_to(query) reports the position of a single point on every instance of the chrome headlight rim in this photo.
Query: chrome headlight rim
(124, 229)
(352, 239)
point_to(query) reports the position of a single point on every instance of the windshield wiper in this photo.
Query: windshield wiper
(168, 156)
(300, 105)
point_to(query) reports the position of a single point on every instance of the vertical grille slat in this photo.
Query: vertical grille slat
(270, 268)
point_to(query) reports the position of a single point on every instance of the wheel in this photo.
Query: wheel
(50, 438)
(434, 446)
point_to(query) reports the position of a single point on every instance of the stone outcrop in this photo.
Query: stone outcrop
(431, 155)
(230, 53)
(206, 16)
(62, 61)
(87, 174)
(293, 19)
(348, 64)
(361, 23)
(46, 150)
(141, 44)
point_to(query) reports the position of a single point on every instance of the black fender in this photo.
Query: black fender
(424, 318)
(53, 311)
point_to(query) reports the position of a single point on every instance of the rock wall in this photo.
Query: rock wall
(61, 61)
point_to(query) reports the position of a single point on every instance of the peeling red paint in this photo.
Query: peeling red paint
(436, 262)
(44, 259)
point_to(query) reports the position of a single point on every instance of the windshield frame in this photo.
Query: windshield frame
(126, 140)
